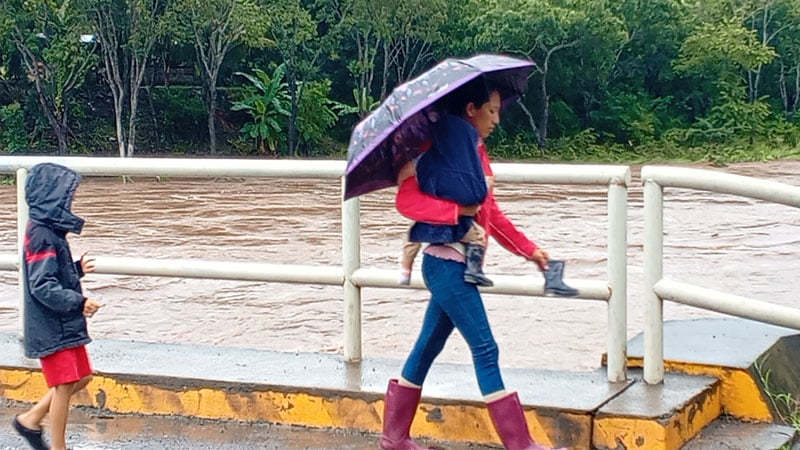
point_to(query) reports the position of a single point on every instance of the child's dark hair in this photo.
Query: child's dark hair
(476, 92)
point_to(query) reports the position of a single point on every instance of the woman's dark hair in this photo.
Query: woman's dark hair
(476, 92)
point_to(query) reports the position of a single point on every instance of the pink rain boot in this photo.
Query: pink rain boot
(399, 408)
(510, 423)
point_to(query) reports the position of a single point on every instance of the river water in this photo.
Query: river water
(741, 246)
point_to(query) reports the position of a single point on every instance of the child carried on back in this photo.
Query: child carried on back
(451, 169)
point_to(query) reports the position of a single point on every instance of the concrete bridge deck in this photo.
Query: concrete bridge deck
(579, 410)
(314, 390)
(94, 429)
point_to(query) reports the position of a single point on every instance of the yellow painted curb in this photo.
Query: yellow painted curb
(658, 433)
(463, 422)
(741, 395)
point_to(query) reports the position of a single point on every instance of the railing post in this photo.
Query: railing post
(617, 273)
(351, 261)
(653, 272)
(22, 222)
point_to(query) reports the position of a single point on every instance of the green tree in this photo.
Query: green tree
(408, 38)
(5, 24)
(763, 16)
(644, 97)
(595, 60)
(317, 112)
(298, 44)
(12, 128)
(726, 52)
(391, 41)
(785, 19)
(127, 31)
(656, 28)
(214, 27)
(359, 22)
(542, 30)
(51, 37)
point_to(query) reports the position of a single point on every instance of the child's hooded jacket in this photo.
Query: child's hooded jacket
(451, 169)
(54, 300)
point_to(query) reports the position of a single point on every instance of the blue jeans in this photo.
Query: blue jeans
(453, 304)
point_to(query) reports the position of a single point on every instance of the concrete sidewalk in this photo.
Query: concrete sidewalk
(311, 390)
(236, 392)
(93, 429)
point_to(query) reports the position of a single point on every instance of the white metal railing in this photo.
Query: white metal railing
(657, 289)
(8, 262)
(351, 275)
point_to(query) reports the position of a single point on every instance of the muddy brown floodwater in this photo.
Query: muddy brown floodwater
(737, 245)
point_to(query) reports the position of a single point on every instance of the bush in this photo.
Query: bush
(13, 135)
(180, 113)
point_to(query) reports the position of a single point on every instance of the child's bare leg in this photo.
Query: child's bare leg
(32, 418)
(59, 411)
(82, 384)
(476, 235)
(410, 250)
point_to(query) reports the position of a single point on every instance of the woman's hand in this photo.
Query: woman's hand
(468, 210)
(87, 263)
(540, 257)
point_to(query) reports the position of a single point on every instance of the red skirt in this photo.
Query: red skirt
(67, 366)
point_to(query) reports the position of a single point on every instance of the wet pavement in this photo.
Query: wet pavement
(311, 390)
(92, 429)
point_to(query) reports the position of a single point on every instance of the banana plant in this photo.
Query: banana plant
(364, 103)
(268, 107)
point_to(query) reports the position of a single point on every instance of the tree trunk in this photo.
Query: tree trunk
(385, 71)
(292, 127)
(110, 48)
(212, 129)
(531, 122)
(118, 101)
(132, 124)
(62, 141)
(793, 110)
(782, 89)
(62, 129)
(541, 136)
(136, 80)
(155, 127)
(33, 65)
(52, 119)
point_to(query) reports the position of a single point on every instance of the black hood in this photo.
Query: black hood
(49, 191)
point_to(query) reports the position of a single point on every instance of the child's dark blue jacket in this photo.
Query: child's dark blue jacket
(53, 318)
(451, 169)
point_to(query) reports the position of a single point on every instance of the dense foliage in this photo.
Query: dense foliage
(633, 80)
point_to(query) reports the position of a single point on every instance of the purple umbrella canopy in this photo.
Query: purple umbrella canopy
(398, 131)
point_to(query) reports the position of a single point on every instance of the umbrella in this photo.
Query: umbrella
(396, 131)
